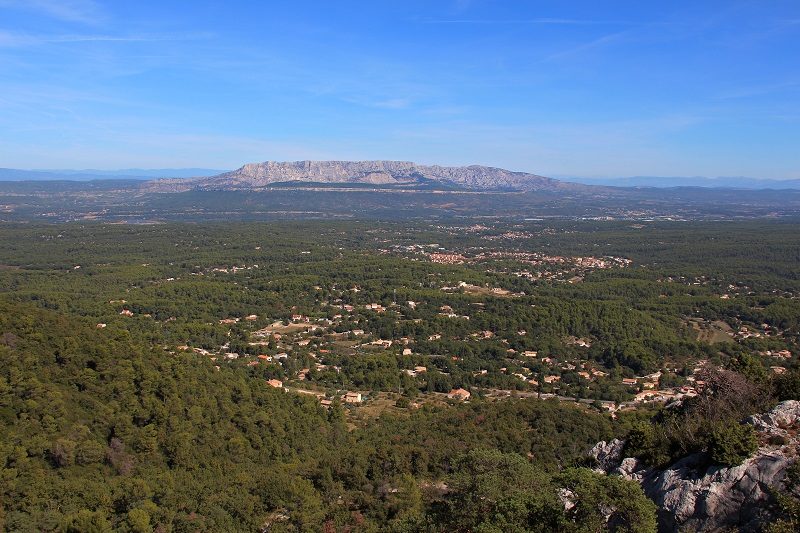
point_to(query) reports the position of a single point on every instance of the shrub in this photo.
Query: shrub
(646, 442)
(730, 445)
(62, 452)
(89, 452)
(787, 386)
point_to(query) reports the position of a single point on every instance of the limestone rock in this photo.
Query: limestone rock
(607, 455)
(692, 495)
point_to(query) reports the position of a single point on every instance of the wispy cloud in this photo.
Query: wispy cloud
(83, 11)
(758, 90)
(594, 44)
(377, 101)
(393, 103)
(553, 21)
(15, 39)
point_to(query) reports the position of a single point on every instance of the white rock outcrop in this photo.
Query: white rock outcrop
(693, 496)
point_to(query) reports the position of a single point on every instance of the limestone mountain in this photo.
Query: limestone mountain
(374, 173)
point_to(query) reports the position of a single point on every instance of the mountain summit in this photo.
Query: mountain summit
(378, 173)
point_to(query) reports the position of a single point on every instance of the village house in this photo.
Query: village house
(630, 381)
(126, 312)
(352, 397)
(275, 383)
(647, 396)
(459, 394)
(782, 354)
(552, 379)
(382, 343)
(654, 377)
(251, 318)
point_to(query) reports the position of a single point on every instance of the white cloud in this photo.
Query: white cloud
(82, 11)
(16, 40)
(543, 21)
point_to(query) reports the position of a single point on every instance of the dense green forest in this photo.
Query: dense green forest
(134, 362)
(105, 433)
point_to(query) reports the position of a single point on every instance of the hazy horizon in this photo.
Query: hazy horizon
(177, 172)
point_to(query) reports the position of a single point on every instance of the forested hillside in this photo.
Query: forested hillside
(109, 433)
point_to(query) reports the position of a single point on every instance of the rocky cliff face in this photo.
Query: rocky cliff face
(693, 496)
(259, 175)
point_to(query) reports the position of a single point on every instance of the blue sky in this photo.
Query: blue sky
(584, 88)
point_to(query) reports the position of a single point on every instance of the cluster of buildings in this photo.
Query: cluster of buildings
(447, 259)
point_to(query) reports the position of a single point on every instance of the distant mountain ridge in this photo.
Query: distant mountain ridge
(733, 182)
(387, 174)
(14, 174)
(376, 173)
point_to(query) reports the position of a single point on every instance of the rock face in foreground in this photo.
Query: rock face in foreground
(259, 175)
(692, 496)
